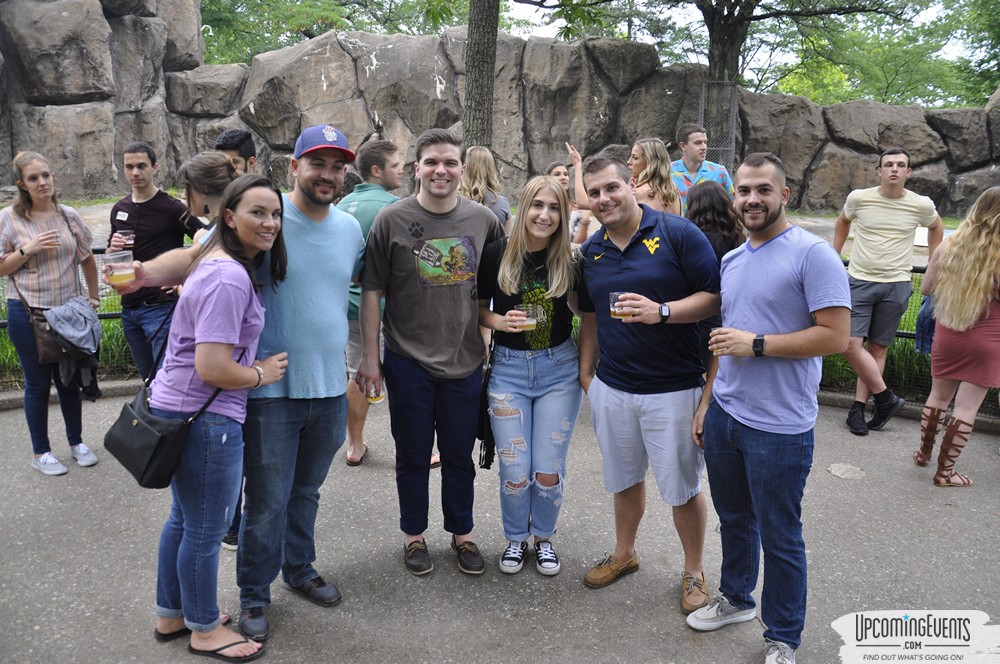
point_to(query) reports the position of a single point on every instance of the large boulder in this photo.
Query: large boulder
(906, 127)
(565, 100)
(663, 101)
(622, 64)
(5, 154)
(836, 172)
(79, 141)
(311, 79)
(130, 7)
(854, 124)
(185, 45)
(61, 54)
(407, 82)
(930, 180)
(208, 91)
(965, 133)
(790, 127)
(866, 126)
(508, 109)
(993, 124)
(148, 124)
(137, 49)
(966, 187)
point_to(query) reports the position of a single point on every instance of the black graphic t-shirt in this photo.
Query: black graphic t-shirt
(555, 320)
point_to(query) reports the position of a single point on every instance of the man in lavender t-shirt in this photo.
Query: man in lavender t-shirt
(785, 304)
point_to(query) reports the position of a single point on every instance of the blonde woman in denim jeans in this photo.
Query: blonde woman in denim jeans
(534, 388)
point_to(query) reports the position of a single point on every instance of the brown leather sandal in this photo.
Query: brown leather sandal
(956, 435)
(930, 423)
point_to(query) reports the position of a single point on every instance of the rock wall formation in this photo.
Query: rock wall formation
(81, 78)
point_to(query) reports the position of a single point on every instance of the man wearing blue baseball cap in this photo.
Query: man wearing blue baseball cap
(294, 427)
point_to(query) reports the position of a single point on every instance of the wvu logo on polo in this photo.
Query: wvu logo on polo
(652, 245)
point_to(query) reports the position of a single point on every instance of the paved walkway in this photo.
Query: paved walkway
(78, 561)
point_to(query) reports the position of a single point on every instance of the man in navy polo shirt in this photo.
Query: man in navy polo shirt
(645, 390)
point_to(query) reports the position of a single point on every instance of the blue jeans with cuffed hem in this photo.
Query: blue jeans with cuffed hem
(541, 391)
(204, 490)
(290, 444)
(139, 325)
(757, 481)
(422, 405)
(37, 380)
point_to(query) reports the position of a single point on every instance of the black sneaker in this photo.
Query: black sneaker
(470, 560)
(230, 541)
(513, 558)
(417, 560)
(885, 412)
(546, 560)
(856, 420)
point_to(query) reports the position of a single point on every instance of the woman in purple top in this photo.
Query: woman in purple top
(212, 343)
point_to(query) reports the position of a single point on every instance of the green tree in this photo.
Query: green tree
(979, 71)
(876, 57)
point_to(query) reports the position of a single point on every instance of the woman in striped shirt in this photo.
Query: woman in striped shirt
(43, 246)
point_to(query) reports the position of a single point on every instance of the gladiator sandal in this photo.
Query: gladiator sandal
(956, 435)
(930, 423)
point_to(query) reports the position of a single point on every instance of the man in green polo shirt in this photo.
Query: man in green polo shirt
(381, 168)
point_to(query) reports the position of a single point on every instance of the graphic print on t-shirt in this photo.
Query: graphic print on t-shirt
(445, 261)
(533, 289)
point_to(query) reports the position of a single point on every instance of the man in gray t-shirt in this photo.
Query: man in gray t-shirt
(422, 256)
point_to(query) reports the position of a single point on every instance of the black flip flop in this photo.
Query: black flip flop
(214, 654)
(360, 459)
(183, 631)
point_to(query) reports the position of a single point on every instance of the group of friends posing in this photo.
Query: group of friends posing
(267, 294)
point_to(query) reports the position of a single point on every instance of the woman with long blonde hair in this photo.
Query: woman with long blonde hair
(649, 162)
(534, 389)
(481, 183)
(963, 275)
(44, 246)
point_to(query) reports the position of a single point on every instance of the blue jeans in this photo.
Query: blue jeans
(290, 444)
(542, 389)
(37, 379)
(204, 491)
(420, 406)
(139, 324)
(757, 481)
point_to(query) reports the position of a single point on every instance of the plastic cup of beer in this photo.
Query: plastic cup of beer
(618, 310)
(531, 316)
(129, 238)
(120, 268)
(376, 398)
(55, 241)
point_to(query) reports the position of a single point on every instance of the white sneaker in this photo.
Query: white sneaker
(48, 465)
(718, 613)
(777, 652)
(83, 455)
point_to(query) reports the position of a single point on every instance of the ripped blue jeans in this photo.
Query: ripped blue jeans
(534, 400)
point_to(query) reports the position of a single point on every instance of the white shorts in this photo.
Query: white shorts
(353, 350)
(635, 431)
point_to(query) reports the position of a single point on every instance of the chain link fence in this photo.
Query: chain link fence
(718, 113)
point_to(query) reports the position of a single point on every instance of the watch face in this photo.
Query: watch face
(665, 310)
